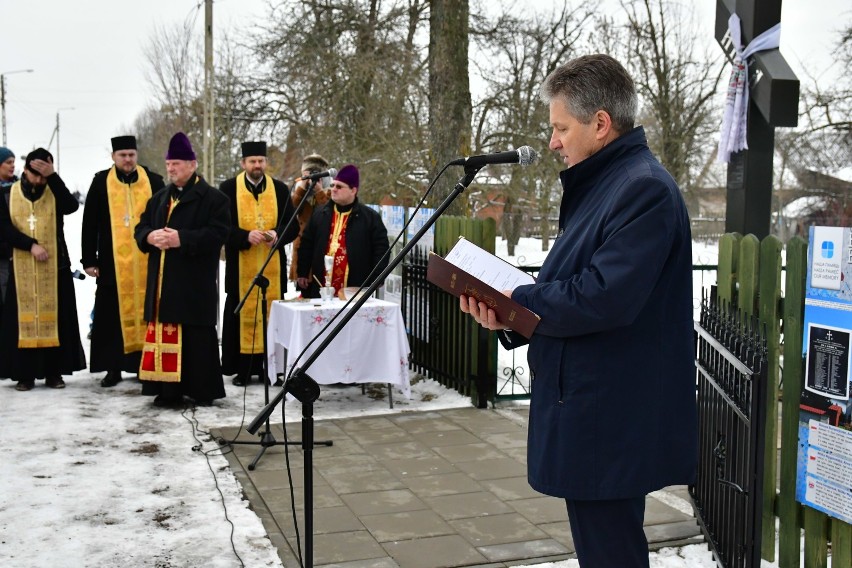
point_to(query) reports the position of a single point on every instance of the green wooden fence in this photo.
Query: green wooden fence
(749, 277)
(446, 344)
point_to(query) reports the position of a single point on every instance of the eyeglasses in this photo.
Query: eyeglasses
(339, 186)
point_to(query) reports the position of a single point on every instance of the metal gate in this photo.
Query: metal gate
(731, 379)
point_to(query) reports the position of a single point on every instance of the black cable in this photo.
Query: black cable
(283, 427)
(193, 422)
(292, 493)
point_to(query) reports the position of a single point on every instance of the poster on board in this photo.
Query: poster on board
(824, 469)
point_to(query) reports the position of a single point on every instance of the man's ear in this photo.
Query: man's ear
(603, 124)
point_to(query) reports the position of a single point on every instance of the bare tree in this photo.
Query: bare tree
(449, 91)
(520, 52)
(820, 148)
(676, 86)
(346, 79)
(175, 74)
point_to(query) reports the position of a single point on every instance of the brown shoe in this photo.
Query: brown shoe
(25, 385)
(55, 382)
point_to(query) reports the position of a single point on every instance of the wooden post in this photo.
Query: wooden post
(789, 510)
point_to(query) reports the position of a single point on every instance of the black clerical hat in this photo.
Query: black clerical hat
(123, 143)
(38, 154)
(254, 149)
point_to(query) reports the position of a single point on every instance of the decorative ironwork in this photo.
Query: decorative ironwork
(731, 380)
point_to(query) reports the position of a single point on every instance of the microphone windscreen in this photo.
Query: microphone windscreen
(527, 156)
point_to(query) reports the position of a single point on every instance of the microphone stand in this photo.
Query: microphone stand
(267, 440)
(306, 390)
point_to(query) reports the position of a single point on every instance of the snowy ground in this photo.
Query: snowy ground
(98, 477)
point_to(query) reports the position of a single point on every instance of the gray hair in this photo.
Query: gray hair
(591, 83)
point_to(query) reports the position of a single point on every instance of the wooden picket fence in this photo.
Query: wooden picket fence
(749, 277)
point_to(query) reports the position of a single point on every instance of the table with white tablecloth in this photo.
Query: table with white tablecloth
(371, 348)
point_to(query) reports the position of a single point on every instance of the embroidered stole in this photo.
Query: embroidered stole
(161, 355)
(36, 282)
(260, 214)
(126, 204)
(337, 249)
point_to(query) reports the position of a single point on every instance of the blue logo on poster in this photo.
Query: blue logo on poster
(827, 249)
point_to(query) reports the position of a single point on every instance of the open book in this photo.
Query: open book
(468, 269)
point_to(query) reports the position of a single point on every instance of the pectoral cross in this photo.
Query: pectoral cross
(32, 221)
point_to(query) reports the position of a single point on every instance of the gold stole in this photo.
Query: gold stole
(36, 282)
(161, 355)
(260, 214)
(126, 204)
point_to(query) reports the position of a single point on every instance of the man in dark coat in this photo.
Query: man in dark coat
(7, 179)
(346, 230)
(182, 229)
(114, 204)
(612, 415)
(311, 164)
(39, 333)
(258, 204)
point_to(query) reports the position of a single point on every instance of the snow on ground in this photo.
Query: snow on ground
(99, 477)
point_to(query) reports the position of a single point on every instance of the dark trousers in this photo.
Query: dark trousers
(609, 534)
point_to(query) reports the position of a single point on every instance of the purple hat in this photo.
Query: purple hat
(348, 174)
(180, 148)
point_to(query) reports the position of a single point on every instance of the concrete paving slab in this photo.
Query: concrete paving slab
(423, 490)
(435, 552)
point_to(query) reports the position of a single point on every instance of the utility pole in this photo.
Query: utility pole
(208, 152)
(56, 133)
(3, 96)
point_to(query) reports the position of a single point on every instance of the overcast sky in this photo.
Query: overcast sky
(88, 64)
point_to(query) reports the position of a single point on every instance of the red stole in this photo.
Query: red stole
(337, 249)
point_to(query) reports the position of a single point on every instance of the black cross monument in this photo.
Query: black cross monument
(773, 101)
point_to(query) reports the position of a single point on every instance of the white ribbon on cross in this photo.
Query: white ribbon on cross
(733, 134)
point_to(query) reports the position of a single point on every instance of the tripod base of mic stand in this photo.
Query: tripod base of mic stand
(267, 440)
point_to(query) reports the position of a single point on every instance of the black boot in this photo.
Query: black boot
(111, 379)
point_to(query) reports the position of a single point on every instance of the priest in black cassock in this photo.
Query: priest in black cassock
(183, 228)
(258, 202)
(114, 204)
(39, 332)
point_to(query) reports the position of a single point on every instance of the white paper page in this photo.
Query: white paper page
(492, 270)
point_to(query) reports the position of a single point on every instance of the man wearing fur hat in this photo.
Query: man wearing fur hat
(39, 333)
(114, 204)
(348, 231)
(258, 202)
(182, 229)
(7, 179)
(312, 164)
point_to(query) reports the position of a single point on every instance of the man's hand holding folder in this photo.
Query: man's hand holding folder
(475, 276)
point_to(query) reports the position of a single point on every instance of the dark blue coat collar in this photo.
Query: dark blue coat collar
(584, 174)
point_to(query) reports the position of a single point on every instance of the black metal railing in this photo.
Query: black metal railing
(445, 343)
(731, 382)
(447, 347)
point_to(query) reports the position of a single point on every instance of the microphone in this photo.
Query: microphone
(523, 156)
(78, 275)
(330, 172)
